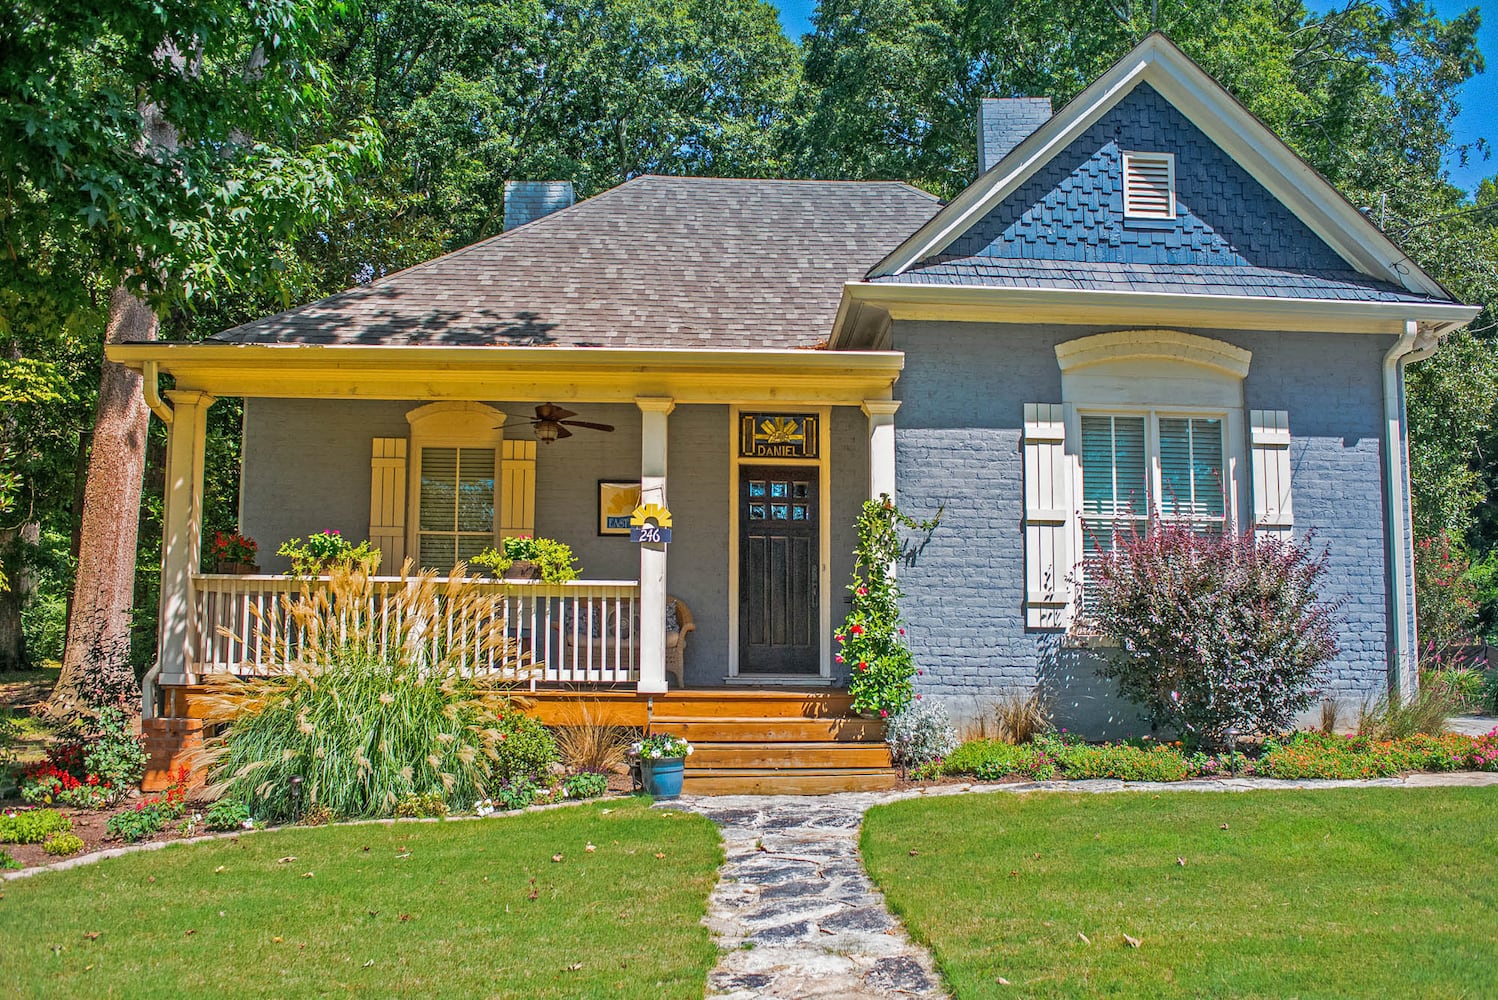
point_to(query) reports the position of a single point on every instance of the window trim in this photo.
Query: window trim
(450, 425)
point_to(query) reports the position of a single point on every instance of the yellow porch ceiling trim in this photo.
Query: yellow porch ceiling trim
(591, 374)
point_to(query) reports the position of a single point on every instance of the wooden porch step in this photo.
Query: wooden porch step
(754, 729)
(780, 781)
(798, 756)
(762, 703)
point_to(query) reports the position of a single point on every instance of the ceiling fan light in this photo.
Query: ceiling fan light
(546, 431)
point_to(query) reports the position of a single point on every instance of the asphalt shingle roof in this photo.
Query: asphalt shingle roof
(668, 262)
(1188, 279)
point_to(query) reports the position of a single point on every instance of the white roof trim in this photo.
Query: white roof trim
(1222, 119)
(1016, 304)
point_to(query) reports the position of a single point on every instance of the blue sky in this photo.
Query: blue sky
(1479, 117)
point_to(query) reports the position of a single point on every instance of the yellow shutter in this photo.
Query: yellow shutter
(1048, 518)
(1269, 442)
(387, 502)
(517, 489)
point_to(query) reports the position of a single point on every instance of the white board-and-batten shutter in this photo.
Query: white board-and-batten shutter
(387, 502)
(1048, 518)
(1269, 444)
(517, 489)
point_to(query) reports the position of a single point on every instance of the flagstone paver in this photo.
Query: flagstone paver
(794, 911)
(796, 916)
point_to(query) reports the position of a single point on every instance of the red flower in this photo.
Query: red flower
(863, 666)
(863, 591)
(884, 713)
(856, 630)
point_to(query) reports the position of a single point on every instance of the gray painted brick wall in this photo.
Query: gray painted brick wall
(958, 443)
(297, 482)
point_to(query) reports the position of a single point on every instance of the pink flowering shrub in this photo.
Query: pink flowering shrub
(872, 640)
(1220, 635)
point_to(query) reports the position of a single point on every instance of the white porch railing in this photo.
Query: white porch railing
(586, 631)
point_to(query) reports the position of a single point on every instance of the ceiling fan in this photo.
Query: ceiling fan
(551, 423)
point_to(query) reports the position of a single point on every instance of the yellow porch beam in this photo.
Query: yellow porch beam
(597, 375)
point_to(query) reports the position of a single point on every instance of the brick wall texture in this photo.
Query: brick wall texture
(958, 444)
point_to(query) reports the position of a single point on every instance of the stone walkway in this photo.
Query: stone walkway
(795, 915)
(793, 910)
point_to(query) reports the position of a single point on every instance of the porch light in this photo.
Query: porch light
(546, 431)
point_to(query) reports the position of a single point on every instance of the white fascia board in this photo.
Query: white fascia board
(1009, 304)
(1224, 120)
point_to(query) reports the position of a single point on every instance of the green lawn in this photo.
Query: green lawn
(1352, 893)
(414, 909)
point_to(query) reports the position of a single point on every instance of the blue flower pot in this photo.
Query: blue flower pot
(662, 776)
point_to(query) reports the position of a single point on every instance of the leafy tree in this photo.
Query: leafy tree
(155, 141)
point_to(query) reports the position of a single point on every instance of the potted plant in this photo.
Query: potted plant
(313, 556)
(522, 558)
(662, 759)
(233, 553)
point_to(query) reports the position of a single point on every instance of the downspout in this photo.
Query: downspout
(1403, 672)
(151, 389)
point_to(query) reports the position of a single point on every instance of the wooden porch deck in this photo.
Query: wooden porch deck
(746, 740)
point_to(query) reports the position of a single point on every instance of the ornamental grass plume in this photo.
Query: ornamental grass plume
(377, 692)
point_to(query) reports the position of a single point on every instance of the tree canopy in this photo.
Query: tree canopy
(317, 143)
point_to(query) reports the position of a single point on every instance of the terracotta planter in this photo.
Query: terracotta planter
(523, 569)
(238, 568)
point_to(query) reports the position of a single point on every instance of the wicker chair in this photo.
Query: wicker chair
(676, 642)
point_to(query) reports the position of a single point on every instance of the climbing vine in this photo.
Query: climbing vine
(872, 639)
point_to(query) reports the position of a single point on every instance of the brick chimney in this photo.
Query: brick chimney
(527, 201)
(1005, 122)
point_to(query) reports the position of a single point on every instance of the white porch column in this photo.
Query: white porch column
(881, 414)
(182, 543)
(653, 413)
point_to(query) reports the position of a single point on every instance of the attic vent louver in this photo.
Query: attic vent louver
(1149, 185)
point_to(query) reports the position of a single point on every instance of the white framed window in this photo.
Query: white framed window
(1171, 463)
(1149, 185)
(456, 507)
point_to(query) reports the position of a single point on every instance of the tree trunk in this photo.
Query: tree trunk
(96, 667)
(15, 542)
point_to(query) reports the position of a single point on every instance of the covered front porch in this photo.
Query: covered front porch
(771, 454)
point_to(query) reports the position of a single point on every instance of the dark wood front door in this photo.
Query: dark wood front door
(778, 551)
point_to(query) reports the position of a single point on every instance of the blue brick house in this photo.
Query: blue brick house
(1145, 300)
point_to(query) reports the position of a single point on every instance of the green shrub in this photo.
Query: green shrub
(428, 806)
(364, 729)
(227, 814)
(324, 550)
(1220, 635)
(552, 558)
(1465, 686)
(8, 863)
(132, 825)
(63, 845)
(32, 826)
(585, 785)
(1125, 761)
(114, 752)
(516, 793)
(991, 760)
(525, 747)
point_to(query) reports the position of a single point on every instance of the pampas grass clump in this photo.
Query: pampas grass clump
(375, 699)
